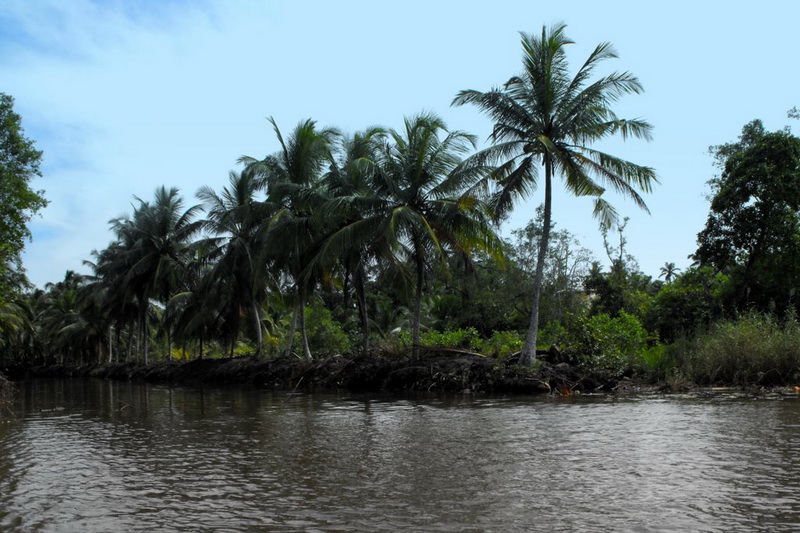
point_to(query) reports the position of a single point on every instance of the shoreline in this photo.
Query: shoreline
(371, 373)
(377, 373)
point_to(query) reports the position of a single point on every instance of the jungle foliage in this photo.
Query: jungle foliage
(385, 241)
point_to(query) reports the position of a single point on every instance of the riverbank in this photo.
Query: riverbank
(373, 373)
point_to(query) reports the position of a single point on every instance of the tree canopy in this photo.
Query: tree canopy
(753, 229)
(19, 165)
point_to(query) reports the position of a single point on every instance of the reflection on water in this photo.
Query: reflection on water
(87, 455)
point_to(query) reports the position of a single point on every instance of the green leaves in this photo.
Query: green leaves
(543, 117)
(544, 114)
(753, 229)
(19, 164)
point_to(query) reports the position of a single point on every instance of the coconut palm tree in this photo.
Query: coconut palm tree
(418, 211)
(349, 190)
(668, 272)
(16, 326)
(234, 218)
(108, 291)
(293, 180)
(546, 119)
(73, 325)
(156, 241)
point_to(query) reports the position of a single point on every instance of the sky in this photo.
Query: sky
(124, 96)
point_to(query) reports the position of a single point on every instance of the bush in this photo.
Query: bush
(613, 346)
(466, 338)
(325, 336)
(553, 333)
(755, 349)
(501, 344)
(656, 361)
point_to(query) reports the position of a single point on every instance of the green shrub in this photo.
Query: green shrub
(553, 333)
(656, 360)
(466, 338)
(501, 344)
(325, 336)
(755, 349)
(613, 346)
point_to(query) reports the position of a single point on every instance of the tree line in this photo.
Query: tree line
(387, 238)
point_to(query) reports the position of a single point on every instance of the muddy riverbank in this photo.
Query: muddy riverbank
(434, 372)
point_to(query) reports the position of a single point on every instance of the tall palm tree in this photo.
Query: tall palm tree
(546, 119)
(668, 272)
(108, 290)
(419, 210)
(73, 325)
(349, 189)
(293, 180)
(156, 241)
(234, 217)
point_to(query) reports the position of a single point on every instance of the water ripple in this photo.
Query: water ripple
(224, 460)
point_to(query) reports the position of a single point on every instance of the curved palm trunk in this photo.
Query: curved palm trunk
(292, 330)
(259, 333)
(303, 333)
(529, 350)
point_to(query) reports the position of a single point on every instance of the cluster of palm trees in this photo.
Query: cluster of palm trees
(324, 209)
(330, 210)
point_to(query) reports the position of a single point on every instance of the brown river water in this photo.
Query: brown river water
(88, 455)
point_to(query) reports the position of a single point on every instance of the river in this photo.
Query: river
(88, 455)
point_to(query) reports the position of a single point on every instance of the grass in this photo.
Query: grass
(754, 349)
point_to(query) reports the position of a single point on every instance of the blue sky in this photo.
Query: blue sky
(124, 96)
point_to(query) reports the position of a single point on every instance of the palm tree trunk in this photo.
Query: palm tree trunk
(129, 351)
(138, 356)
(259, 333)
(528, 354)
(145, 335)
(415, 348)
(362, 307)
(346, 289)
(303, 333)
(168, 325)
(142, 343)
(292, 330)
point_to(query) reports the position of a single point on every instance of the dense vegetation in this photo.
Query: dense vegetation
(384, 243)
(19, 164)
